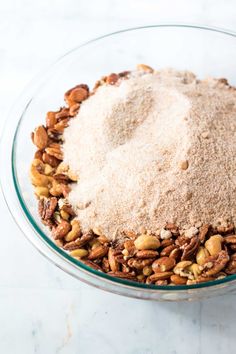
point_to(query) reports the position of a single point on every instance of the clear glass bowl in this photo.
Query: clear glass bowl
(205, 51)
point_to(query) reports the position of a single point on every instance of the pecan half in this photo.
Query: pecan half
(46, 207)
(167, 250)
(105, 265)
(122, 275)
(173, 228)
(146, 254)
(79, 242)
(175, 254)
(139, 263)
(231, 266)
(60, 126)
(225, 229)
(91, 264)
(163, 264)
(167, 242)
(218, 263)
(50, 160)
(112, 79)
(160, 276)
(190, 249)
(230, 239)
(62, 178)
(62, 114)
(54, 149)
(203, 232)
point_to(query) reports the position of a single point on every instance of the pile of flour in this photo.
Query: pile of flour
(159, 147)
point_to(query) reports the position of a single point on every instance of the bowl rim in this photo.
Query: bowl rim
(30, 219)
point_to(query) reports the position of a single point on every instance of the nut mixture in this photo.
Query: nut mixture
(172, 256)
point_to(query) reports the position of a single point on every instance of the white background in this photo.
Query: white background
(43, 310)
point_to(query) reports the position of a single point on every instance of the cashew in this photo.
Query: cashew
(202, 255)
(48, 169)
(56, 189)
(195, 269)
(62, 168)
(72, 176)
(182, 269)
(42, 192)
(181, 265)
(39, 179)
(147, 242)
(214, 244)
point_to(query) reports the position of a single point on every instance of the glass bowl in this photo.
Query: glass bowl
(205, 51)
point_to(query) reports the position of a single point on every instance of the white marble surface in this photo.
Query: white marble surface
(43, 310)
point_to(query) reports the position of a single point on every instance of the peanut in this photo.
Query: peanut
(79, 253)
(75, 231)
(147, 270)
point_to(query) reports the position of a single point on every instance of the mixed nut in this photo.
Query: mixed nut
(172, 256)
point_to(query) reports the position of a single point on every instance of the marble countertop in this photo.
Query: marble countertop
(42, 309)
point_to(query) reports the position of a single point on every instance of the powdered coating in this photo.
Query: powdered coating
(129, 144)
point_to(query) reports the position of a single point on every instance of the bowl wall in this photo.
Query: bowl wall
(206, 52)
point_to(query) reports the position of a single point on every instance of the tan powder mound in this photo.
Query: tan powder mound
(159, 147)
